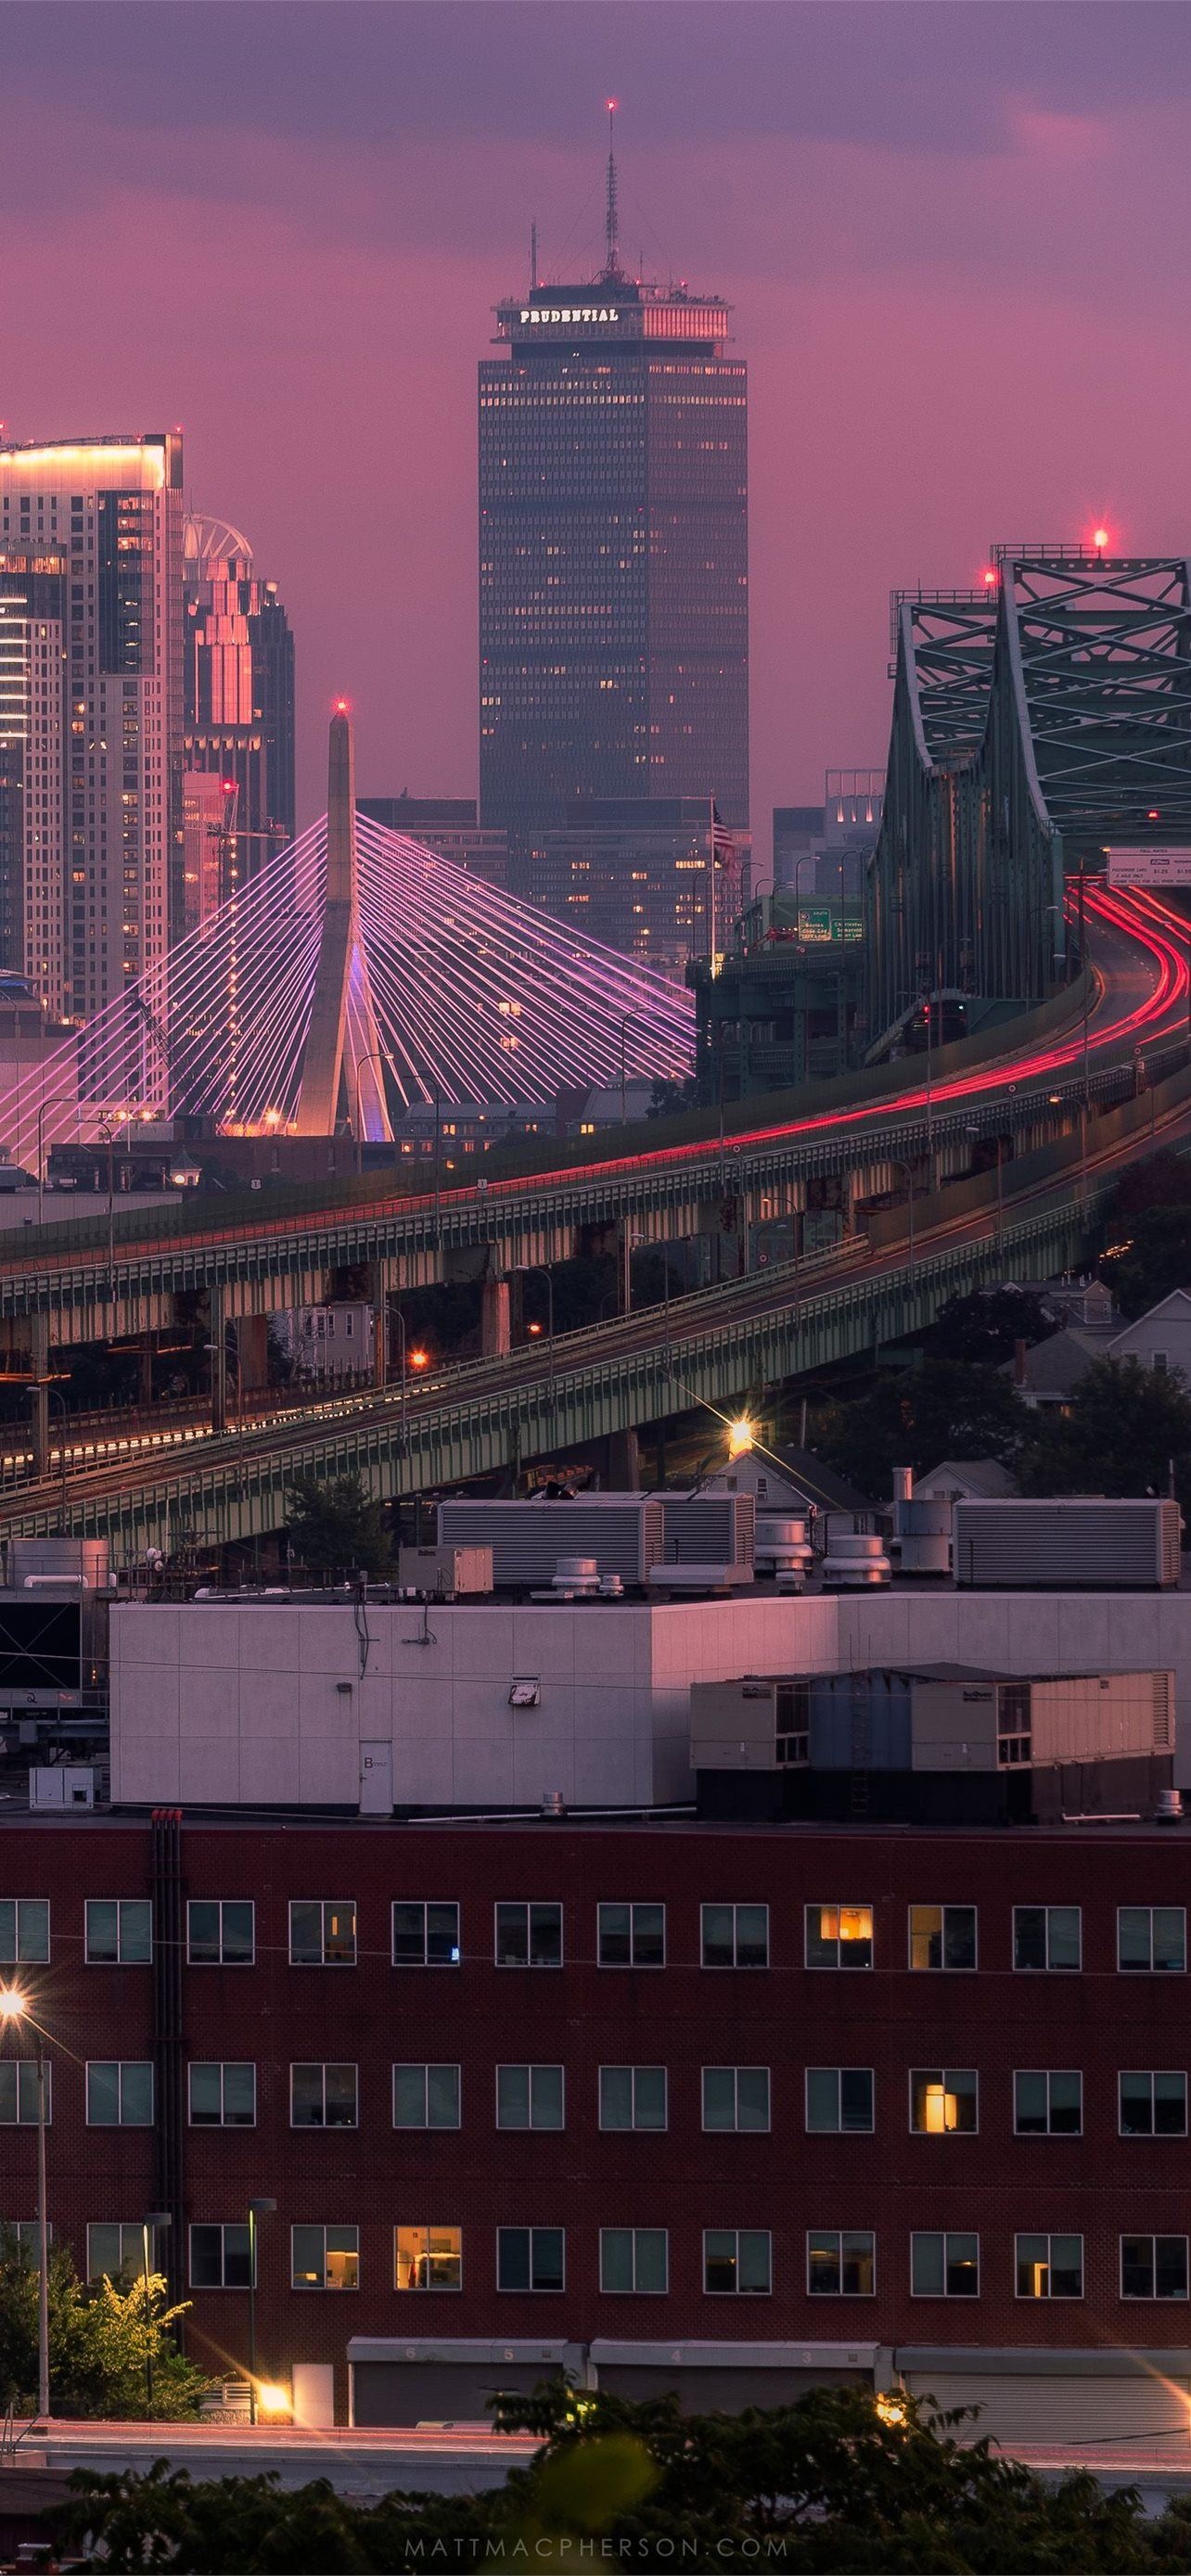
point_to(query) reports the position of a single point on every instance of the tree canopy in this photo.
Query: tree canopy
(839, 2481)
(985, 1325)
(1148, 1256)
(1125, 1426)
(945, 1409)
(335, 1527)
(100, 2335)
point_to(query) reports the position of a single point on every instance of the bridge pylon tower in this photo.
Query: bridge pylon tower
(342, 1073)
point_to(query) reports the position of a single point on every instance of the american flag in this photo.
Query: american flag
(723, 845)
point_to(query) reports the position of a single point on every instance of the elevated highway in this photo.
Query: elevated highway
(729, 1342)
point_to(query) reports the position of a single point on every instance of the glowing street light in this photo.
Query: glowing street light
(741, 1435)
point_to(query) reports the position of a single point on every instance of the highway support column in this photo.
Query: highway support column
(495, 1321)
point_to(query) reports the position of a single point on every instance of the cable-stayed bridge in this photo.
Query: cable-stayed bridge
(355, 973)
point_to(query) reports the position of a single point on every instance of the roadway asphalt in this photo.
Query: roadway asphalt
(445, 2460)
(1145, 989)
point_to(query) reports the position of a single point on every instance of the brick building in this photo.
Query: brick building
(681, 2105)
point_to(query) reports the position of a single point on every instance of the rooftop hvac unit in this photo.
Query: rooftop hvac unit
(709, 1529)
(62, 1784)
(78, 1561)
(623, 1534)
(1068, 1545)
(445, 1573)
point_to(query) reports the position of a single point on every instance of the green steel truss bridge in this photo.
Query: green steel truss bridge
(1035, 720)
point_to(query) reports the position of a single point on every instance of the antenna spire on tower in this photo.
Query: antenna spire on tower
(533, 256)
(612, 218)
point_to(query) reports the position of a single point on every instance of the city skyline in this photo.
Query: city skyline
(914, 223)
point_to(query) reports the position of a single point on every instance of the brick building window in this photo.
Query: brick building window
(944, 2100)
(1153, 2267)
(841, 2263)
(119, 1931)
(632, 2097)
(634, 2259)
(323, 2096)
(24, 2236)
(1153, 2105)
(839, 2100)
(1049, 2267)
(222, 2095)
(737, 2261)
(221, 1932)
(425, 2097)
(530, 2258)
(322, 1932)
(944, 2266)
(529, 2097)
(119, 2093)
(116, 2252)
(736, 2097)
(1047, 1936)
(1152, 1937)
(325, 2258)
(942, 1936)
(838, 1936)
(1048, 2104)
(425, 1935)
(18, 2092)
(427, 2258)
(24, 1931)
(735, 1936)
(631, 1936)
(529, 1936)
(220, 2257)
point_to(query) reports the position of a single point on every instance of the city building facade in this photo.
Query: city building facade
(447, 824)
(239, 704)
(730, 2110)
(613, 554)
(639, 873)
(91, 841)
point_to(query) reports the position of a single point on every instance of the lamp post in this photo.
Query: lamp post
(108, 1128)
(154, 2223)
(256, 2209)
(901, 1165)
(527, 1269)
(973, 1130)
(377, 1056)
(630, 1021)
(54, 1395)
(14, 2008)
(56, 1100)
(399, 1319)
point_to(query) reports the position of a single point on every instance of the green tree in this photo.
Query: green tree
(100, 2337)
(839, 2481)
(334, 1527)
(985, 1326)
(1124, 1427)
(1147, 1257)
(945, 1409)
(1160, 1181)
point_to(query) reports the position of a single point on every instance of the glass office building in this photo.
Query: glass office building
(613, 556)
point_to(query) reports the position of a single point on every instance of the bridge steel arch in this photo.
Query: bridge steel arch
(1034, 720)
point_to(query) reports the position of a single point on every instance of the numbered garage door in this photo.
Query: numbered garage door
(1061, 2406)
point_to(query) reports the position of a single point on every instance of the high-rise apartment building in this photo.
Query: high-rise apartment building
(239, 703)
(91, 565)
(613, 553)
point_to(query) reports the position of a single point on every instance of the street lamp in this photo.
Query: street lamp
(54, 1395)
(377, 1056)
(527, 1269)
(256, 2209)
(56, 1100)
(154, 2223)
(15, 2009)
(973, 1130)
(630, 1021)
(901, 1165)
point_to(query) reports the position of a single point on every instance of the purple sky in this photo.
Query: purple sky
(957, 238)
